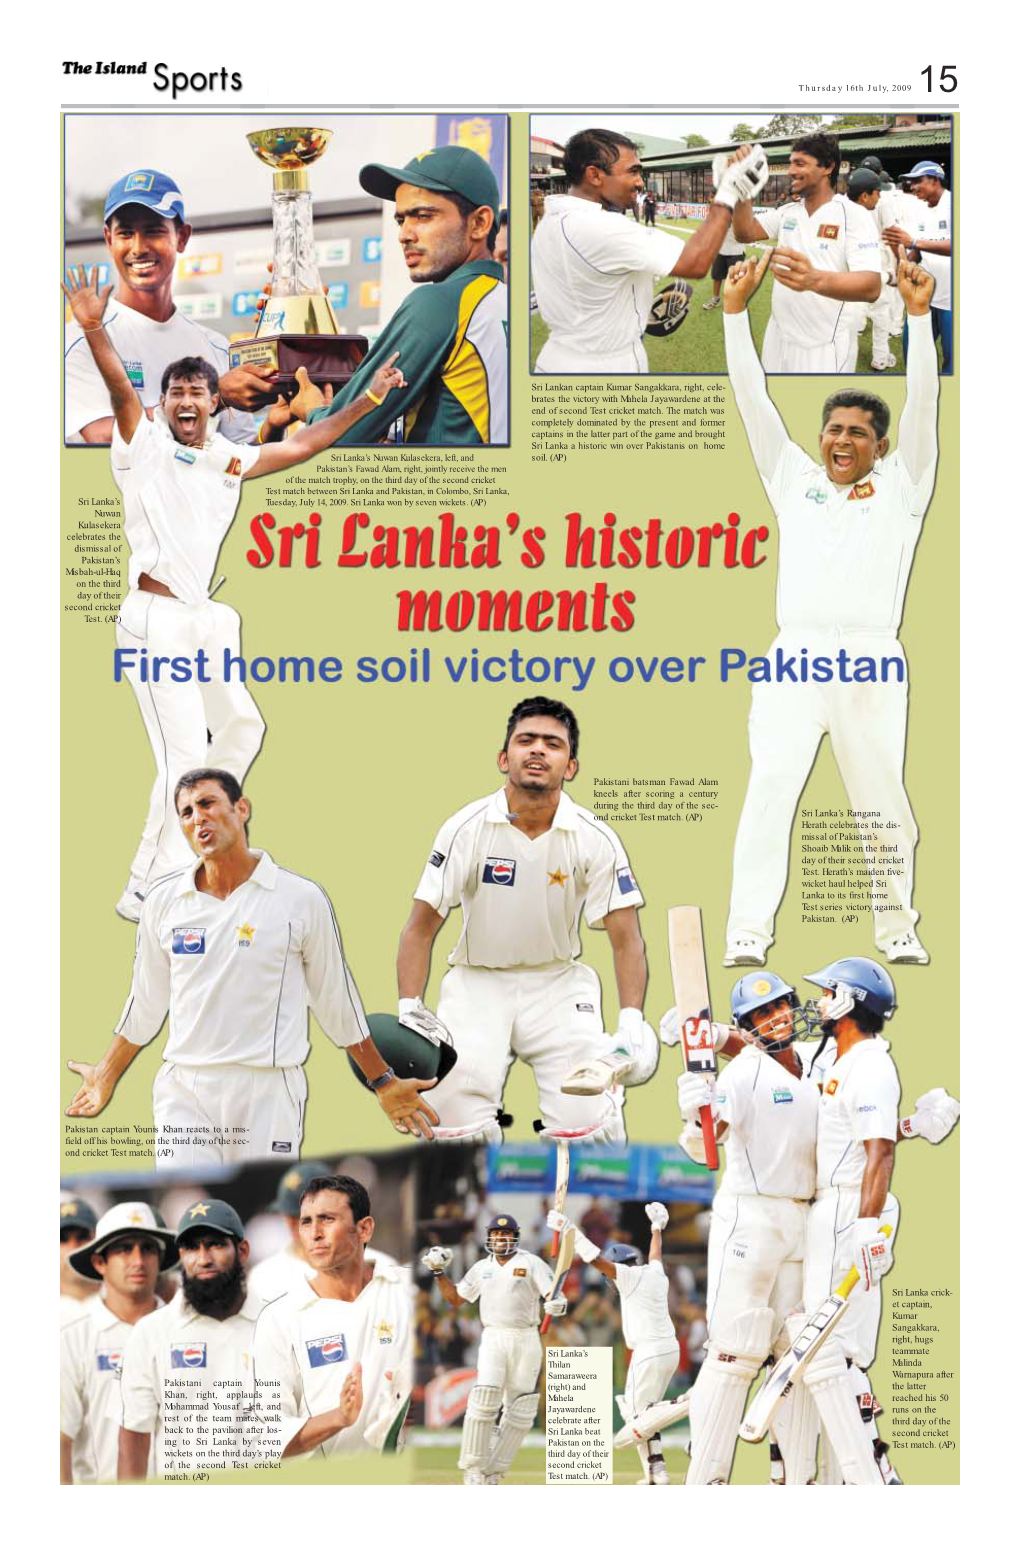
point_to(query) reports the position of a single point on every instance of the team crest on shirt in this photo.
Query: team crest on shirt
(557, 878)
(520, 1270)
(109, 1361)
(188, 940)
(828, 232)
(384, 1332)
(234, 466)
(245, 936)
(188, 1353)
(782, 1096)
(326, 1350)
(499, 871)
(832, 1085)
(864, 490)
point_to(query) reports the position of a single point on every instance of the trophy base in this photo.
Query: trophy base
(329, 358)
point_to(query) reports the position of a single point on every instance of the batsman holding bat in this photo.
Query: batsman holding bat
(809, 1132)
(509, 1287)
(648, 1331)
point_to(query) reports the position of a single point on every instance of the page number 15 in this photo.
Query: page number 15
(947, 77)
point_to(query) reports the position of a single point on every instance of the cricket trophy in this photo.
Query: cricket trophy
(297, 325)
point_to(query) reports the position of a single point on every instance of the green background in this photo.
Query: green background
(353, 781)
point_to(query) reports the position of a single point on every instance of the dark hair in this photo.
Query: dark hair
(864, 1018)
(357, 1195)
(190, 369)
(866, 401)
(227, 781)
(824, 148)
(504, 219)
(545, 707)
(593, 147)
(466, 207)
(178, 222)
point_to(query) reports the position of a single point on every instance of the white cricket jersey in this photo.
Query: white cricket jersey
(773, 1128)
(731, 247)
(844, 551)
(145, 348)
(860, 1100)
(237, 975)
(179, 502)
(936, 225)
(509, 1296)
(839, 237)
(644, 1295)
(309, 1344)
(593, 271)
(287, 1270)
(91, 1352)
(173, 1362)
(522, 899)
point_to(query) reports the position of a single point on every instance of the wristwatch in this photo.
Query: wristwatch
(380, 1082)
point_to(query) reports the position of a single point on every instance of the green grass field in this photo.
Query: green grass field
(438, 1465)
(697, 347)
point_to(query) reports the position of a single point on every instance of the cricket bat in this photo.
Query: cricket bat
(690, 989)
(559, 1202)
(791, 1365)
(564, 1260)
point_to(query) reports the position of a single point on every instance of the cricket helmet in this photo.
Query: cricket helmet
(856, 982)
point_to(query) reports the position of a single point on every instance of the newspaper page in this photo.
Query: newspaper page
(509, 648)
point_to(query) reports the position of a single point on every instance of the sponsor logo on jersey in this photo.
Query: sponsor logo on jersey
(520, 1270)
(135, 373)
(585, 1007)
(188, 1353)
(499, 871)
(188, 940)
(789, 225)
(782, 1096)
(828, 233)
(943, 225)
(109, 1361)
(326, 1350)
(864, 490)
(281, 1147)
(866, 1109)
(234, 466)
(819, 495)
(438, 859)
(625, 881)
(187, 456)
(245, 936)
(832, 1085)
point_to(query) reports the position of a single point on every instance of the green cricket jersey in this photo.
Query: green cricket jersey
(452, 339)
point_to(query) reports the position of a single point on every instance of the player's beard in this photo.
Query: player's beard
(443, 258)
(214, 1291)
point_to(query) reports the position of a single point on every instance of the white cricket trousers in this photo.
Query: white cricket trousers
(510, 1360)
(867, 726)
(558, 358)
(652, 1365)
(549, 1017)
(779, 356)
(827, 1260)
(206, 1116)
(755, 1260)
(180, 717)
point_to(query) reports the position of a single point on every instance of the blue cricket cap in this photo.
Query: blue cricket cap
(927, 169)
(152, 189)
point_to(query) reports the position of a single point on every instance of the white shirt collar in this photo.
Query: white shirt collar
(565, 819)
(264, 874)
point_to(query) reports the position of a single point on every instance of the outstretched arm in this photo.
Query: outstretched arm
(88, 302)
(918, 437)
(314, 438)
(765, 429)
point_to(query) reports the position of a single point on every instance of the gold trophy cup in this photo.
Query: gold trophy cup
(297, 325)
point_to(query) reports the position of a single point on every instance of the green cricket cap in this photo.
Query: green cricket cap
(447, 169)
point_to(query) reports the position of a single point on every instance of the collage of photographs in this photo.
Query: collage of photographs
(461, 513)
